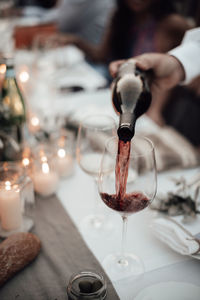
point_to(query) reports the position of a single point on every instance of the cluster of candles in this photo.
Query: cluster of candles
(48, 165)
(45, 172)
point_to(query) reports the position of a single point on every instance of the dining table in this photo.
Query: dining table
(58, 218)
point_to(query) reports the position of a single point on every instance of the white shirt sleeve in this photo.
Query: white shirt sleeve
(188, 53)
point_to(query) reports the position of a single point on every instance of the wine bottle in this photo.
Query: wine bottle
(12, 115)
(131, 97)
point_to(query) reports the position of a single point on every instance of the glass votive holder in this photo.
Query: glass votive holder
(87, 285)
(63, 143)
(44, 174)
(16, 199)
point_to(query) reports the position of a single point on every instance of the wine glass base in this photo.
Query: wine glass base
(118, 268)
(96, 226)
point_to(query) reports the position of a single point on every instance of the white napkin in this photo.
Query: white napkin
(175, 236)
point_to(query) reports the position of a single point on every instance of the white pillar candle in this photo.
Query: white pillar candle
(45, 181)
(10, 206)
(64, 163)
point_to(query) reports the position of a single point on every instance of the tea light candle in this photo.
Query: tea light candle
(45, 181)
(63, 163)
(34, 124)
(25, 162)
(26, 157)
(10, 206)
(23, 79)
(24, 76)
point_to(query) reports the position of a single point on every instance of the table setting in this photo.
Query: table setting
(61, 200)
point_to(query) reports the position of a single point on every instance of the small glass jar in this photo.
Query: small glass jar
(87, 285)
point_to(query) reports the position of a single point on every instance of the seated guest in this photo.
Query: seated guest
(85, 18)
(136, 27)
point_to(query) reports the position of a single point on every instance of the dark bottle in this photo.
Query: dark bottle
(131, 97)
(12, 115)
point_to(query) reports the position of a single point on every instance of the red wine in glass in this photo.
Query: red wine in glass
(122, 202)
(130, 203)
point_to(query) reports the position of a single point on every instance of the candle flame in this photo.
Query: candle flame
(35, 121)
(2, 69)
(25, 161)
(8, 185)
(61, 153)
(44, 159)
(16, 188)
(45, 168)
(24, 76)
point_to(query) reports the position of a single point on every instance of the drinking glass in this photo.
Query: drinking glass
(94, 130)
(127, 184)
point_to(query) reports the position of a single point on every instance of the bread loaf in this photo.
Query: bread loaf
(16, 252)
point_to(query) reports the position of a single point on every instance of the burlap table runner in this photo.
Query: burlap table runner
(63, 253)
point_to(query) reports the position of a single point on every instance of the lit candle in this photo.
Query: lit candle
(34, 124)
(64, 163)
(26, 157)
(10, 206)
(23, 76)
(23, 79)
(25, 162)
(45, 181)
(2, 69)
(2, 73)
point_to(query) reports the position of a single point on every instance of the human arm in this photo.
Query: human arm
(167, 70)
(188, 54)
(181, 63)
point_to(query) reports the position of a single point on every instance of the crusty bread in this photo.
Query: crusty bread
(16, 252)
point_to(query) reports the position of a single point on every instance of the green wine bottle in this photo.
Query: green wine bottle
(12, 115)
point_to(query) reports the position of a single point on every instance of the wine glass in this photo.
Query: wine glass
(94, 130)
(127, 184)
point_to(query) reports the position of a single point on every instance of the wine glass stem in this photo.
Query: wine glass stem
(122, 260)
(95, 195)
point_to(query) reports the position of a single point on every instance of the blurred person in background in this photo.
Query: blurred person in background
(137, 26)
(181, 109)
(84, 18)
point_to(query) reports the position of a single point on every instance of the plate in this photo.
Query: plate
(170, 290)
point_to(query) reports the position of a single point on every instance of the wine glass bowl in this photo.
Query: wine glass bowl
(94, 130)
(141, 180)
(127, 184)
